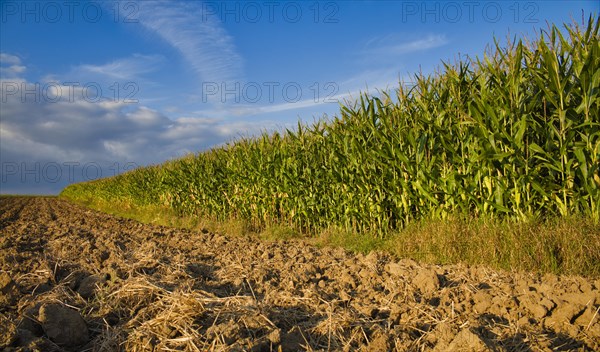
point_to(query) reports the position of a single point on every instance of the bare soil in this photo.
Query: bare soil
(72, 279)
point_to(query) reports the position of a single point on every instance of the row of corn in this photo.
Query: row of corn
(515, 133)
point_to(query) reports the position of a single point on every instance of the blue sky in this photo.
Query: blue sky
(90, 89)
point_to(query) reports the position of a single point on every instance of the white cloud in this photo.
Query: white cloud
(102, 133)
(144, 116)
(10, 66)
(9, 59)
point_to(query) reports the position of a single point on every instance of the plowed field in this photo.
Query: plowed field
(72, 279)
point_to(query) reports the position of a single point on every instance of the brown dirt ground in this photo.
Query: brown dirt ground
(72, 279)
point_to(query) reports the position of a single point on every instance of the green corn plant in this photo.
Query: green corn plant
(514, 134)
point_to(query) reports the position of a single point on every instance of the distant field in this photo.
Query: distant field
(25, 195)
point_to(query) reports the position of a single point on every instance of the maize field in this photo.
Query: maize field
(513, 134)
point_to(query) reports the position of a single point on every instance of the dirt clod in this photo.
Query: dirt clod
(8, 289)
(6, 282)
(467, 341)
(426, 281)
(89, 285)
(275, 336)
(564, 314)
(63, 325)
(395, 269)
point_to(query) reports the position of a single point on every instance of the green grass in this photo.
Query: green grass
(560, 245)
(510, 140)
(149, 214)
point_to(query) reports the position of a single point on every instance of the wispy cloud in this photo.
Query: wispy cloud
(203, 42)
(128, 78)
(126, 68)
(249, 110)
(396, 45)
(370, 81)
